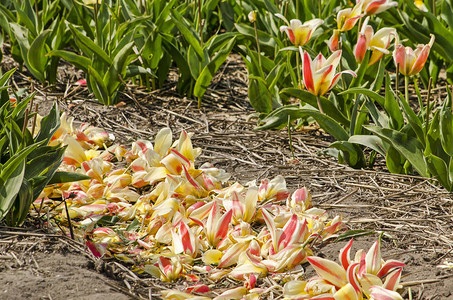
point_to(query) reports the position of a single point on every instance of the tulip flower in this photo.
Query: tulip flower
(373, 7)
(378, 43)
(347, 18)
(242, 205)
(299, 34)
(252, 16)
(319, 74)
(286, 243)
(411, 62)
(300, 200)
(273, 190)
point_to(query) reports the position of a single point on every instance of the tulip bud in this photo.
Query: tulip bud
(252, 16)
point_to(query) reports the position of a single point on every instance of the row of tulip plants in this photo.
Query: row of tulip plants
(361, 105)
(116, 42)
(154, 208)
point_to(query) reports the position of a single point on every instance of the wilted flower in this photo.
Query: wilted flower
(167, 269)
(243, 204)
(411, 62)
(273, 190)
(299, 34)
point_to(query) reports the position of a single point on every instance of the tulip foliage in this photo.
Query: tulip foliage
(350, 108)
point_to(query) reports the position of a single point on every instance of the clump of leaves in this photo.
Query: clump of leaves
(27, 162)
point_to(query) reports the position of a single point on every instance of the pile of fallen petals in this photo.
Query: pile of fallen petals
(152, 207)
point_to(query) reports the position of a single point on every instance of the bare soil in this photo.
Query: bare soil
(414, 214)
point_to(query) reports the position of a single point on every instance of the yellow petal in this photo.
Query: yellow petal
(212, 257)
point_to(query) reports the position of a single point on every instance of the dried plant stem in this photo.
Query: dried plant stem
(25, 122)
(290, 138)
(34, 120)
(71, 231)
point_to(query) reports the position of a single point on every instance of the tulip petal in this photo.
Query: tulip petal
(345, 254)
(347, 292)
(380, 293)
(329, 270)
(212, 256)
(307, 71)
(393, 279)
(389, 265)
(236, 293)
(373, 259)
(231, 256)
(336, 78)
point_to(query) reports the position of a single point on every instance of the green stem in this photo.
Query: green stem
(318, 99)
(297, 8)
(428, 96)
(96, 31)
(298, 85)
(37, 16)
(319, 9)
(419, 96)
(199, 102)
(257, 43)
(397, 78)
(200, 24)
(406, 88)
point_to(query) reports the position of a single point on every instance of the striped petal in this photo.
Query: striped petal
(345, 254)
(392, 280)
(307, 71)
(388, 266)
(373, 259)
(328, 270)
(380, 293)
(347, 292)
